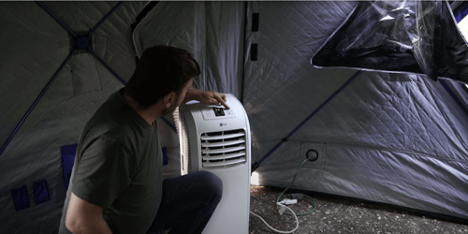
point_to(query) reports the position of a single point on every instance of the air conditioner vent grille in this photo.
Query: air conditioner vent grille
(223, 149)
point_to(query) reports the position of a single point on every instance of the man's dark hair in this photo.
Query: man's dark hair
(160, 71)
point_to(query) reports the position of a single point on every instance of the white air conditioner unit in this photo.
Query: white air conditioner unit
(216, 139)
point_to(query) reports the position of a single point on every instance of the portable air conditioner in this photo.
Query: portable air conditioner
(216, 139)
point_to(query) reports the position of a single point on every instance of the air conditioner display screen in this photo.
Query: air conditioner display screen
(218, 113)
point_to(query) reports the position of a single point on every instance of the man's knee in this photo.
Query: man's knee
(213, 183)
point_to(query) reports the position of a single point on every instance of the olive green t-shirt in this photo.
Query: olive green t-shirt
(118, 166)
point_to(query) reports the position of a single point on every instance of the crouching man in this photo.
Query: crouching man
(116, 184)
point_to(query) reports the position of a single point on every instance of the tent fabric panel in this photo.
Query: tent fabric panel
(459, 91)
(224, 46)
(403, 115)
(84, 76)
(116, 34)
(211, 31)
(32, 48)
(378, 175)
(284, 48)
(61, 114)
(110, 40)
(177, 24)
(393, 112)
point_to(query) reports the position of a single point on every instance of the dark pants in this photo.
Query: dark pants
(187, 203)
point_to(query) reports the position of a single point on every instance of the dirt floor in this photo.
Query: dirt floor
(341, 216)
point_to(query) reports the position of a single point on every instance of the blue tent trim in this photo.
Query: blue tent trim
(68, 160)
(41, 192)
(461, 14)
(20, 198)
(164, 151)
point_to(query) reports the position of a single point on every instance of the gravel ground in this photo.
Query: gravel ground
(341, 216)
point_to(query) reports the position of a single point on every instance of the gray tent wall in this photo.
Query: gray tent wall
(33, 47)
(392, 138)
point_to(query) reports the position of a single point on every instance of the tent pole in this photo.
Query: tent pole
(108, 67)
(56, 19)
(90, 33)
(35, 102)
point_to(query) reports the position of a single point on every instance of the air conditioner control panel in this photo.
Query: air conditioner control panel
(213, 113)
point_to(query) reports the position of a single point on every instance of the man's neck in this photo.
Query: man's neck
(149, 115)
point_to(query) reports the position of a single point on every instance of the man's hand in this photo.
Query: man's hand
(207, 97)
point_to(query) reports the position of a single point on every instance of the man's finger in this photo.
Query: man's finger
(222, 100)
(222, 95)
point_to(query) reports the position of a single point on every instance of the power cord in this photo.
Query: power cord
(315, 205)
(286, 201)
(297, 221)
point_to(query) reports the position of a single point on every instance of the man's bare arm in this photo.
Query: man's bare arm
(84, 217)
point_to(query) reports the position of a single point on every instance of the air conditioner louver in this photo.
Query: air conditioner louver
(223, 149)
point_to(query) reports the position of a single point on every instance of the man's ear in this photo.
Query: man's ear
(169, 99)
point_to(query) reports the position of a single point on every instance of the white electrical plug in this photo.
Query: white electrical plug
(287, 201)
(282, 209)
